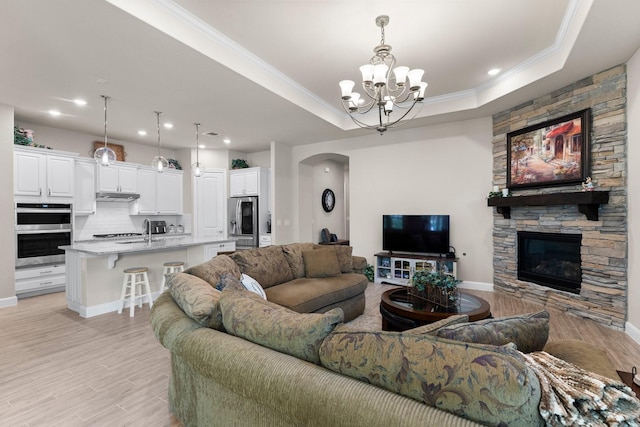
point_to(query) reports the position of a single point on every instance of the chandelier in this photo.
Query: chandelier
(105, 155)
(399, 90)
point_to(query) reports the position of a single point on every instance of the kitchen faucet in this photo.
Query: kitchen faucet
(147, 224)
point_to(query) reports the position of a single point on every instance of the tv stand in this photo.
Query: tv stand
(396, 268)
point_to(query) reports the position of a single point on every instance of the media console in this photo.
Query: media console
(396, 268)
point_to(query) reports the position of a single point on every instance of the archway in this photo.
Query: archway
(315, 174)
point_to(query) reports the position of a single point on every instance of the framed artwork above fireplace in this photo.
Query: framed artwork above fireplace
(555, 152)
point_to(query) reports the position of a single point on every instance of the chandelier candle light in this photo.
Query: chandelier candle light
(386, 90)
(197, 166)
(105, 155)
(159, 163)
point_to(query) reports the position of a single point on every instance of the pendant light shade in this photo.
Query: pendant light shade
(105, 155)
(159, 163)
(197, 168)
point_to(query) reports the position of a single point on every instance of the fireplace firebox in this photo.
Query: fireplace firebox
(550, 259)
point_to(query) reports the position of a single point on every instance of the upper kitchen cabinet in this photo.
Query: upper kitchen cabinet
(42, 175)
(169, 192)
(117, 178)
(248, 182)
(160, 193)
(146, 204)
(84, 201)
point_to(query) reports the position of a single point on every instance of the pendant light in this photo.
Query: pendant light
(197, 167)
(159, 163)
(105, 155)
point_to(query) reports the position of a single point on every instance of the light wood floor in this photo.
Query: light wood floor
(58, 369)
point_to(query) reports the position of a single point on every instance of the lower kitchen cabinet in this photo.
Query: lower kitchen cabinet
(31, 281)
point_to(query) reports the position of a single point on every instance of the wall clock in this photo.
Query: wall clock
(328, 200)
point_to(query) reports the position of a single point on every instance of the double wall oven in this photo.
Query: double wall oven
(40, 229)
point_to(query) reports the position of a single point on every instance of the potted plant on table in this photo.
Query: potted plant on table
(435, 285)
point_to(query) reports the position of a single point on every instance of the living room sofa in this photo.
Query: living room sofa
(238, 359)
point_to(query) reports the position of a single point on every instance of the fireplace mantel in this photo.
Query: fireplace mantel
(588, 202)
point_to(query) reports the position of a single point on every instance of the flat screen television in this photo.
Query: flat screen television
(423, 234)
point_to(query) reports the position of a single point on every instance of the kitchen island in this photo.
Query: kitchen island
(94, 269)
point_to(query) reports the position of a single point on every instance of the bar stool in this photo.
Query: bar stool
(134, 279)
(170, 268)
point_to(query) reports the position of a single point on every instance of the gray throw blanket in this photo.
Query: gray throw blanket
(572, 396)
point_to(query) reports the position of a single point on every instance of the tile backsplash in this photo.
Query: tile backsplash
(114, 217)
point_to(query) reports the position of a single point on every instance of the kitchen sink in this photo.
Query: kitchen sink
(128, 242)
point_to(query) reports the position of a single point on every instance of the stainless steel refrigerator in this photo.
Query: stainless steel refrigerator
(243, 221)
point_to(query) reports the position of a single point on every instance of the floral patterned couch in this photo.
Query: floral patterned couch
(238, 359)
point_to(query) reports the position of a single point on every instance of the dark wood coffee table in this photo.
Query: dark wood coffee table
(401, 311)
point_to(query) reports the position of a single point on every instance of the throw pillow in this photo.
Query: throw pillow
(430, 328)
(488, 384)
(293, 255)
(198, 299)
(321, 263)
(248, 316)
(252, 285)
(212, 270)
(529, 332)
(344, 255)
(268, 265)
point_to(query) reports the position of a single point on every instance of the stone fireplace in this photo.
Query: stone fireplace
(600, 293)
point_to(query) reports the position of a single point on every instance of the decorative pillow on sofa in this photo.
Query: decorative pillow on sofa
(321, 263)
(488, 384)
(529, 332)
(248, 316)
(268, 265)
(344, 255)
(293, 254)
(251, 284)
(198, 299)
(212, 270)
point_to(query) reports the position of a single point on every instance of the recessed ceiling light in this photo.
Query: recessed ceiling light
(54, 113)
(494, 71)
(80, 102)
(226, 141)
(168, 125)
(142, 132)
(202, 146)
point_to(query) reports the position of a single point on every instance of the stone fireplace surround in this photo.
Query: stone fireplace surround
(603, 293)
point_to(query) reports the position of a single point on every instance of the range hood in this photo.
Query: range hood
(116, 197)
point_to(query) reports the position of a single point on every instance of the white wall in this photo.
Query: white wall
(7, 221)
(442, 169)
(633, 194)
(283, 198)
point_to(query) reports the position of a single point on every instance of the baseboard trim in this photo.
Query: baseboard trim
(632, 331)
(108, 307)
(476, 286)
(8, 302)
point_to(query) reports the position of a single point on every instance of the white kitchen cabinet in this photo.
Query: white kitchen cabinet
(117, 179)
(214, 249)
(39, 280)
(169, 192)
(84, 201)
(246, 182)
(146, 204)
(210, 203)
(160, 193)
(47, 177)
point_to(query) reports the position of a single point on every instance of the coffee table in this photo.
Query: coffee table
(401, 311)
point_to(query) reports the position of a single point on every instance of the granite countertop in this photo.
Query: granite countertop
(139, 244)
